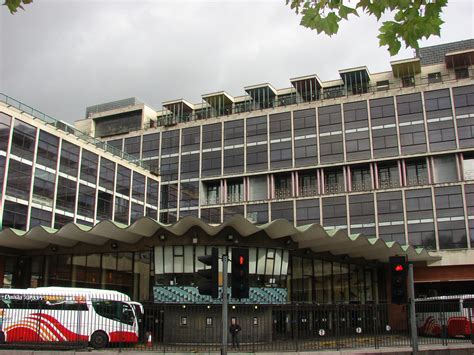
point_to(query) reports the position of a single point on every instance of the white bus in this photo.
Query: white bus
(453, 313)
(62, 314)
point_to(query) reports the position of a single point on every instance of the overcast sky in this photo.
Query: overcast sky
(61, 56)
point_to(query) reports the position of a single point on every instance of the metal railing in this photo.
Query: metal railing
(95, 320)
(67, 128)
(299, 98)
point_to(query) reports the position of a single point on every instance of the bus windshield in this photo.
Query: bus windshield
(115, 310)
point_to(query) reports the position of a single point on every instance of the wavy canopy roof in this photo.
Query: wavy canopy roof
(312, 236)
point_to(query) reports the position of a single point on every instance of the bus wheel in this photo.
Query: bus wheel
(99, 340)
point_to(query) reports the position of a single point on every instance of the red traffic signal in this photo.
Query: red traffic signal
(240, 273)
(399, 267)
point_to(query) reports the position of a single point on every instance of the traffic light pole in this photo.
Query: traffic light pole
(411, 297)
(225, 325)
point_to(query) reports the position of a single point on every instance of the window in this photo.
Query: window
(233, 160)
(60, 220)
(121, 210)
(361, 179)
(209, 321)
(416, 172)
(169, 168)
(408, 80)
(123, 180)
(189, 194)
(235, 190)
(119, 123)
(467, 163)
(151, 145)
(115, 310)
(307, 211)
(40, 218)
(47, 154)
(212, 191)
(104, 205)
(256, 129)
(107, 174)
(19, 179)
(169, 196)
(138, 187)
(23, 140)
(390, 216)
(211, 215)
(257, 213)
(132, 146)
(444, 169)
(334, 181)
(257, 157)
(211, 136)
(419, 206)
(283, 185)
(43, 189)
(282, 210)
(330, 134)
(2, 172)
(190, 138)
(5, 123)
(69, 161)
(461, 73)
(189, 166)
(258, 188)
(86, 201)
(362, 214)
(89, 162)
(434, 77)
(136, 212)
(389, 176)
(183, 321)
(66, 195)
(170, 142)
(152, 192)
(233, 132)
(211, 163)
(383, 85)
(334, 212)
(308, 183)
(14, 215)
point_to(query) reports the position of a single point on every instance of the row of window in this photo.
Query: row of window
(355, 131)
(334, 180)
(64, 176)
(430, 217)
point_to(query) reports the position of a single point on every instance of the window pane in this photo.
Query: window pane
(23, 142)
(69, 158)
(47, 150)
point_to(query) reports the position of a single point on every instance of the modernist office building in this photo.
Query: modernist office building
(295, 174)
(51, 175)
(389, 155)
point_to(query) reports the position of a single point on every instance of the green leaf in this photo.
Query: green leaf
(412, 20)
(345, 11)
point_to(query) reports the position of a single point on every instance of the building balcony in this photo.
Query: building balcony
(307, 191)
(334, 188)
(361, 186)
(283, 193)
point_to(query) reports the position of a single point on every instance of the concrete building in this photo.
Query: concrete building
(322, 181)
(389, 155)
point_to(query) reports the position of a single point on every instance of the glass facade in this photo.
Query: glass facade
(367, 148)
(48, 179)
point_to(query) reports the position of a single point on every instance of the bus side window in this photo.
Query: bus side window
(468, 303)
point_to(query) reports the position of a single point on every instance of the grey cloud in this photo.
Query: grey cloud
(61, 56)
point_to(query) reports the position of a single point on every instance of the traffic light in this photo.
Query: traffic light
(209, 284)
(240, 273)
(398, 275)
